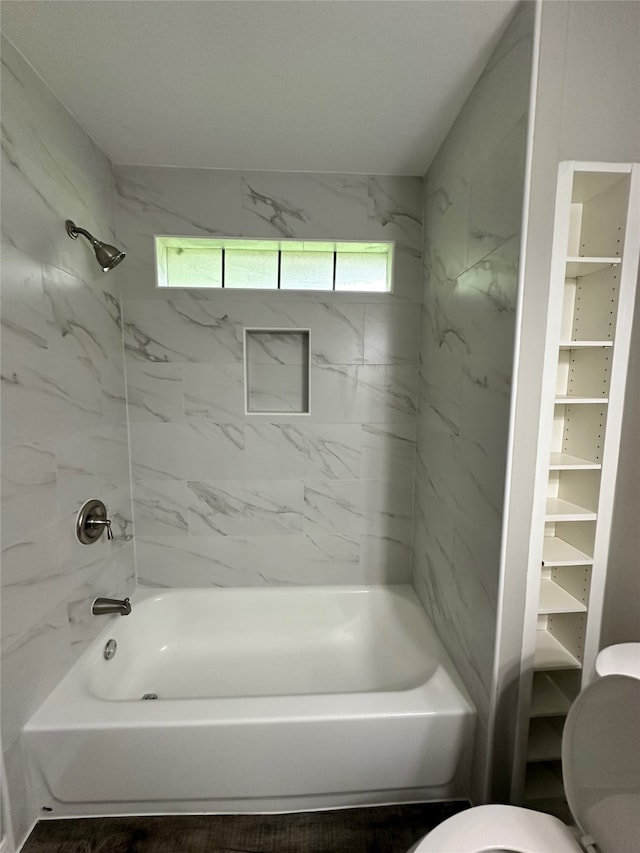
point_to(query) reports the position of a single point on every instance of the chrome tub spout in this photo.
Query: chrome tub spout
(102, 606)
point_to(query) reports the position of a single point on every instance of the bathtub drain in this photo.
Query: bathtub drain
(150, 696)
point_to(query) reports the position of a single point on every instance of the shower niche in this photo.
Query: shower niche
(593, 269)
(276, 371)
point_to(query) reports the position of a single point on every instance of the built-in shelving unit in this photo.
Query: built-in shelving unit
(596, 246)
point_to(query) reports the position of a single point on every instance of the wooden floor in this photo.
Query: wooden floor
(388, 829)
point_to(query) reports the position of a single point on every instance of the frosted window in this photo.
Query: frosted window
(292, 265)
(361, 271)
(306, 270)
(254, 270)
(194, 267)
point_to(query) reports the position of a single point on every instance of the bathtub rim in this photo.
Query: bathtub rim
(71, 693)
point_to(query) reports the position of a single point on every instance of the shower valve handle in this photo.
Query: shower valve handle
(105, 522)
(92, 521)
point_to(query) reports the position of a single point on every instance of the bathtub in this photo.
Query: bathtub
(277, 699)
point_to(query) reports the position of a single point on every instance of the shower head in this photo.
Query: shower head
(107, 256)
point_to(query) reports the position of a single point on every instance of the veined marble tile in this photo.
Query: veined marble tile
(22, 307)
(267, 347)
(439, 404)
(118, 503)
(181, 202)
(335, 506)
(388, 451)
(407, 280)
(181, 330)
(37, 197)
(245, 508)
(114, 392)
(368, 393)
(155, 392)
(336, 328)
(110, 581)
(388, 509)
(303, 559)
(77, 561)
(43, 398)
(214, 392)
(278, 388)
(91, 463)
(482, 555)
(187, 451)
(495, 208)
(197, 561)
(33, 665)
(32, 582)
(483, 293)
(392, 334)
(18, 790)
(36, 124)
(315, 206)
(160, 508)
(480, 493)
(395, 211)
(447, 217)
(303, 450)
(440, 592)
(84, 319)
(29, 491)
(384, 560)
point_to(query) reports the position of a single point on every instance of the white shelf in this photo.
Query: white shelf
(585, 347)
(560, 510)
(550, 654)
(567, 462)
(545, 741)
(555, 599)
(547, 699)
(585, 344)
(582, 401)
(542, 783)
(557, 552)
(577, 267)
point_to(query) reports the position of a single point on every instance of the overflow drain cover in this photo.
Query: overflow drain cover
(150, 696)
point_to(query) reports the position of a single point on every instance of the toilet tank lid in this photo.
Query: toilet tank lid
(601, 762)
(621, 659)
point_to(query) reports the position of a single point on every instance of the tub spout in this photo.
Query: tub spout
(102, 606)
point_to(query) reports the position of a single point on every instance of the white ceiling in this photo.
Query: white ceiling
(369, 86)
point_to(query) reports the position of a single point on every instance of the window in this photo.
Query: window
(274, 264)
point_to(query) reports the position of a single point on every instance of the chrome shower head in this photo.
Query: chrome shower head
(107, 256)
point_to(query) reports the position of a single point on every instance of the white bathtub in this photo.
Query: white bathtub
(274, 699)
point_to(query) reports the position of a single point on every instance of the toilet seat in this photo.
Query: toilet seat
(499, 828)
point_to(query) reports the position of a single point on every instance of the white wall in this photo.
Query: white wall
(64, 437)
(621, 615)
(587, 108)
(228, 499)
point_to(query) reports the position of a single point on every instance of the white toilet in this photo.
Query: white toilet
(601, 770)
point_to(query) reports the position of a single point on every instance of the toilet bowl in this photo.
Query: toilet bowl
(601, 771)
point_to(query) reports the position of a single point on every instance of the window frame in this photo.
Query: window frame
(162, 242)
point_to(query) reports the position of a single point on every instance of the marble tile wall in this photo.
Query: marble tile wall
(224, 498)
(472, 215)
(64, 433)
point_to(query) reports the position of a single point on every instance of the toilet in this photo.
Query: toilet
(601, 771)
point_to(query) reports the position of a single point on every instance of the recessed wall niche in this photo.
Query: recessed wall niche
(276, 367)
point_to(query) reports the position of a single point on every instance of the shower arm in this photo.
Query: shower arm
(73, 231)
